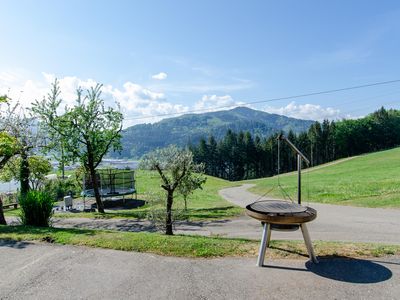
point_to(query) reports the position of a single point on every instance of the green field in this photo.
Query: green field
(371, 180)
(202, 204)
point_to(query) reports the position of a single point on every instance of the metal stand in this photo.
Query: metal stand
(264, 243)
(307, 241)
(266, 237)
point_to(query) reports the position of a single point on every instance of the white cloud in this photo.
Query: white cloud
(27, 91)
(160, 76)
(137, 103)
(214, 102)
(305, 111)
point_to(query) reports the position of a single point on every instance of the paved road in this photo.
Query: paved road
(43, 271)
(334, 222)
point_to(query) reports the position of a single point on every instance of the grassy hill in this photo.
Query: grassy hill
(371, 180)
(142, 138)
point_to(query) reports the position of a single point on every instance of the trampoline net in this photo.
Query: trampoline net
(111, 182)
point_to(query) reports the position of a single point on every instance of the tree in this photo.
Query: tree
(87, 130)
(191, 182)
(38, 168)
(177, 172)
(213, 157)
(55, 144)
(8, 148)
(21, 125)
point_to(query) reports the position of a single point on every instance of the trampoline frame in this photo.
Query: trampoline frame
(107, 184)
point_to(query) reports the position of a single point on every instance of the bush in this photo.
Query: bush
(59, 188)
(157, 212)
(36, 209)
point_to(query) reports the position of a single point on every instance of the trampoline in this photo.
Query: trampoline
(111, 183)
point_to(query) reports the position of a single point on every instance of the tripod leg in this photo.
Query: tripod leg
(308, 243)
(264, 243)
(269, 235)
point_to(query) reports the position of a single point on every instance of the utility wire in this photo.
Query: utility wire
(272, 99)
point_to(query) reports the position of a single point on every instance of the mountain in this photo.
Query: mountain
(142, 138)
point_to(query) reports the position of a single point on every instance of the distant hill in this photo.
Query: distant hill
(142, 138)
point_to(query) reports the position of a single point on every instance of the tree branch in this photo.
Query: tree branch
(163, 177)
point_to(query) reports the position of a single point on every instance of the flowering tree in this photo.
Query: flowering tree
(8, 148)
(87, 131)
(178, 172)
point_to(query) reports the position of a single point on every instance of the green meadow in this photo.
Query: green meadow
(371, 180)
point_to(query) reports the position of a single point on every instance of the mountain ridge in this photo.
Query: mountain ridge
(190, 128)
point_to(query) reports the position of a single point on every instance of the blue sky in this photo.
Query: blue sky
(158, 57)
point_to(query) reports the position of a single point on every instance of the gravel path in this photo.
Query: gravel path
(43, 271)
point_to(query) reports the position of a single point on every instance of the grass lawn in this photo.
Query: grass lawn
(188, 246)
(371, 180)
(202, 204)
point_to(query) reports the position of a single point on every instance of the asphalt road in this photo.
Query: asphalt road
(333, 222)
(44, 271)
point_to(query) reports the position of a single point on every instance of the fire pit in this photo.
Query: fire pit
(284, 215)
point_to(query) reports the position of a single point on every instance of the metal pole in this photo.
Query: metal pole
(308, 243)
(298, 179)
(263, 246)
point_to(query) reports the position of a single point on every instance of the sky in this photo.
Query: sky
(166, 57)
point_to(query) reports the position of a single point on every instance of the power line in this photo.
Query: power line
(272, 99)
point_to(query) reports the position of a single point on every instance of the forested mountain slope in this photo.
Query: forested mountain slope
(190, 128)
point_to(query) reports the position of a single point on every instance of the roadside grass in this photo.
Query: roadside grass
(205, 204)
(189, 246)
(370, 180)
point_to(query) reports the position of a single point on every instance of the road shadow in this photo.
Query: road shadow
(345, 269)
(201, 224)
(350, 270)
(292, 251)
(14, 244)
(210, 213)
(121, 204)
(128, 225)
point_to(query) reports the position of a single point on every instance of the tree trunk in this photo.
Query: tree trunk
(24, 174)
(2, 218)
(99, 203)
(168, 219)
(62, 163)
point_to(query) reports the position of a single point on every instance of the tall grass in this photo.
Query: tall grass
(36, 209)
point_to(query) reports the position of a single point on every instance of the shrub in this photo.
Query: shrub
(36, 208)
(157, 212)
(59, 188)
